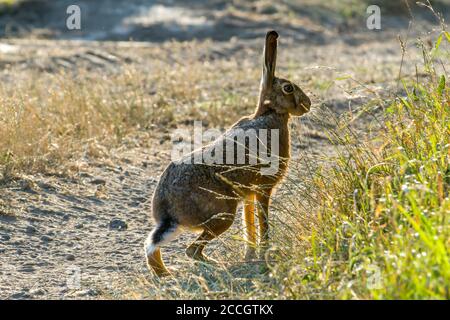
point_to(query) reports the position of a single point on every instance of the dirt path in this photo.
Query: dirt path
(92, 222)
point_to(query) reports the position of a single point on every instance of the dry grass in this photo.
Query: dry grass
(47, 120)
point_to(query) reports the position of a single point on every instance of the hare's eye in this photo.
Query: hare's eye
(287, 88)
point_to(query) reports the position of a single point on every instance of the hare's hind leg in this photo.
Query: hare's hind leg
(155, 262)
(250, 227)
(211, 229)
(263, 199)
(162, 234)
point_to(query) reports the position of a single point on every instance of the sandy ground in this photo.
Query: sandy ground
(93, 225)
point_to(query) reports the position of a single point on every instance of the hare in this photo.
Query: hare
(204, 197)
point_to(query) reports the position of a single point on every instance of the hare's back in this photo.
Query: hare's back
(191, 194)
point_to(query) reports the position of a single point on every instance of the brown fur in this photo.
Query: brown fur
(205, 197)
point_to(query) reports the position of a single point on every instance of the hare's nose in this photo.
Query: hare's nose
(306, 103)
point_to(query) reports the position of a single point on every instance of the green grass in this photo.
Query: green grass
(382, 228)
(8, 2)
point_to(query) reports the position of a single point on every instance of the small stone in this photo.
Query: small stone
(267, 9)
(117, 224)
(28, 268)
(31, 230)
(6, 237)
(70, 257)
(46, 238)
(86, 293)
(127, 161)
(79, 226)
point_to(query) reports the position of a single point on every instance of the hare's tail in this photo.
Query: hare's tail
(164, 232)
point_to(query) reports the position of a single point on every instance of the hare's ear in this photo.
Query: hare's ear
(270, 59)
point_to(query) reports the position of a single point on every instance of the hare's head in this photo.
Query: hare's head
(279, 94)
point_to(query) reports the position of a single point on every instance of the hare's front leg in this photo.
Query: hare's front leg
(263, 199)
(211, 229)
(250, 227)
